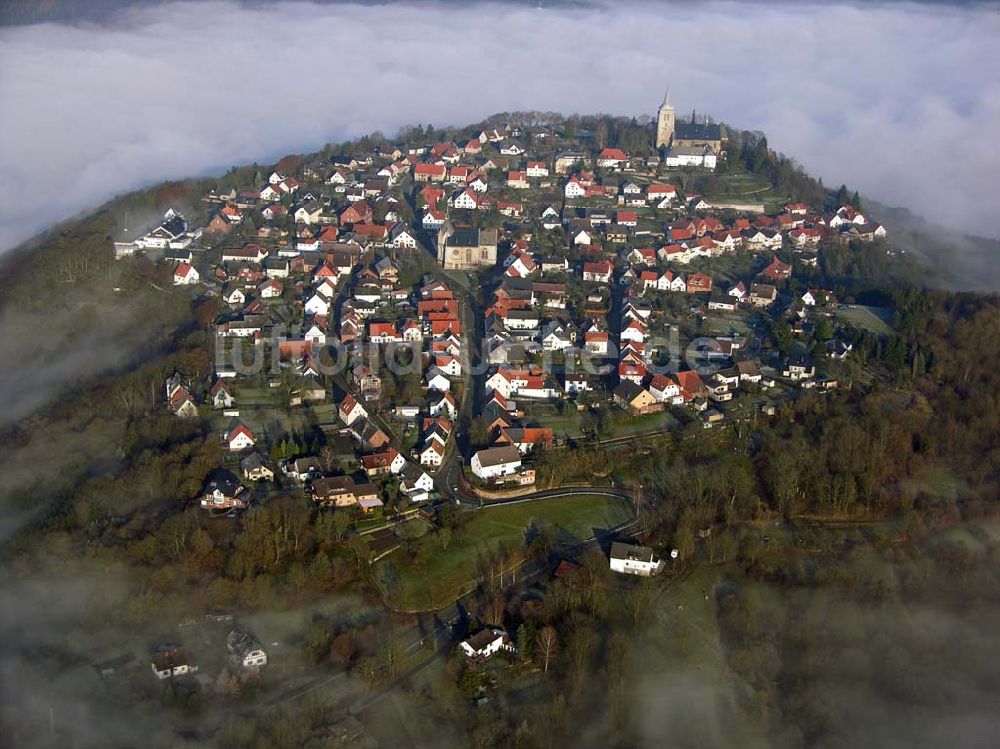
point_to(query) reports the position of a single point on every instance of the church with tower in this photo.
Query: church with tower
(665, 122)
(685, 135)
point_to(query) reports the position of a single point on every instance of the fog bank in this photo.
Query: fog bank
(897, 100)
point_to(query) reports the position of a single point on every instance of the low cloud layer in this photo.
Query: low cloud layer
(900, 101)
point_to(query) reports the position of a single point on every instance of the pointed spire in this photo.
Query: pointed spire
(666, 100)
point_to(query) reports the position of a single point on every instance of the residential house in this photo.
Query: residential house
(350, 410)
(599, 272)
(383, 463)
(367, 382)
(245, 652)
(526, 439)
(224, 492)
(629, 559)
(432, 453)
(255, 468)
(762, 294)
(496, 462)
(699, 283)
(486, 644)
(222, 394)
(777, 270)
(341, 491)
(239, 437)
(169, 661)
(636, 398)
(665, 390)
(186, 275)
(443, 404)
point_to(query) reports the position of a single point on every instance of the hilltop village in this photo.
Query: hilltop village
(542, 289)
(509, 398)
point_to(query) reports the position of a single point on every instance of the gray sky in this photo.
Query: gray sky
(901, 101)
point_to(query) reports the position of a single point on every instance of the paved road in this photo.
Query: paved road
(561, 492)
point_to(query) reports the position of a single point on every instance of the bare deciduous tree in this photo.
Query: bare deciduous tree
(548, 646)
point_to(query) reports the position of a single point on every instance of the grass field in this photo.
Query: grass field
(565, 424)
(446, 572)
(625, 424)
(723, 323)
(868, 318)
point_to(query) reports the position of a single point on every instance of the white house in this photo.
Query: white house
(665, 390)
(577, 383)
(437, 380)
(185, 275)
(487, 643)
(234, 296)
(415, 483)
(634, 331)
(495, 462)
(465, 199)
(597, 342)
(450, 365)
(443, 404)
(169, 662)
(171, 232)
(270, 289)
(350, 410)
(634, 560)
(309, 213)
(433, 220)
(658, 193)
(401, 237)
(555, 337)
(315, 335)
(318, 304)
(240, 437)
(537, 169)
(244, 650)
(574, 189)
(599, 272)
(681, 157)
(432, 454)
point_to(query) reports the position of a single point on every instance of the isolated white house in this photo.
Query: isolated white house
(487, 643)
(634, 560)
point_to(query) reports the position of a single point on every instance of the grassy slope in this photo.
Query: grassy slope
(446, 572)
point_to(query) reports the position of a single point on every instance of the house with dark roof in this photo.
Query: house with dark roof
(486, 644)
(224, 492)
(629, 559)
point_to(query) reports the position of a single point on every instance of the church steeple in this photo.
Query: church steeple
(665, 118)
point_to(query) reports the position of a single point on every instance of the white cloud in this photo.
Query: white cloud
(901, 101)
